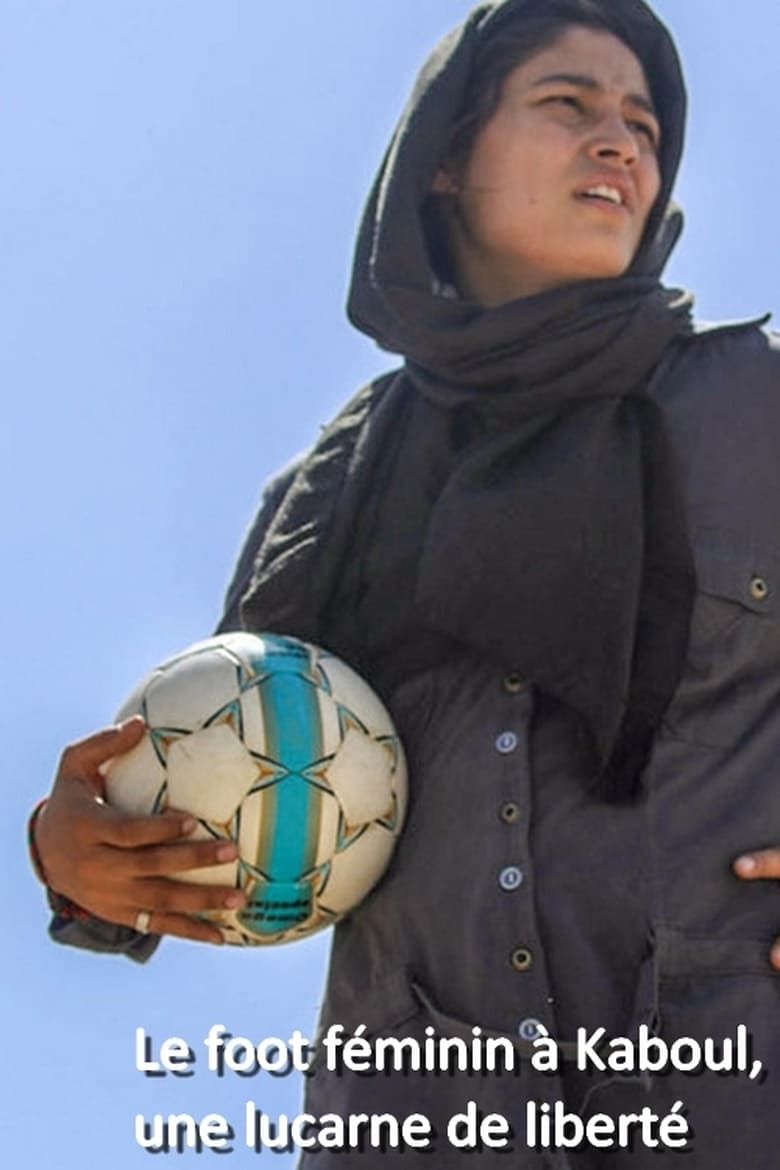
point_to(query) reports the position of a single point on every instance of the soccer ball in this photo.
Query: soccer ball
(281, 747)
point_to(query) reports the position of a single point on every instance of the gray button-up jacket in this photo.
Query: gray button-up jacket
(519, 905)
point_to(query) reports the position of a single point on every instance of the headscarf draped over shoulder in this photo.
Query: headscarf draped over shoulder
(563, 513)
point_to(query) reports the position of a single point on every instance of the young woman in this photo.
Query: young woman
(560, 522)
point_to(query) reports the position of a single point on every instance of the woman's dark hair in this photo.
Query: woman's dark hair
(512, 43)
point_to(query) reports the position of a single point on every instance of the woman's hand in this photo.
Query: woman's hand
(115, 866)
(764, 863)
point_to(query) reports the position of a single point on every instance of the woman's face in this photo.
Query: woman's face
(561, 179)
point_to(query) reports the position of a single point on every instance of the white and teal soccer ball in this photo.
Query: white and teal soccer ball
(281, 747)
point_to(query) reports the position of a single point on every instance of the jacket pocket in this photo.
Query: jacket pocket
(715, 1003)
(715, 988)
(732, 665)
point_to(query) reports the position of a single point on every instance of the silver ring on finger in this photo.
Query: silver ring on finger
(143, 920)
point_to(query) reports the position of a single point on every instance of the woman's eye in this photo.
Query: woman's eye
(567, 100)
(645, 129)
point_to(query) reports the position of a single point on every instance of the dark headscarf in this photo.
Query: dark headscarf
(557, 544)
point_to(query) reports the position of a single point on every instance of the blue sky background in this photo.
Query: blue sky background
(180, 184)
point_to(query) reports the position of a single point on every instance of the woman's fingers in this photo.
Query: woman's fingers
(116, 866)
(161, 895)
(183, 926)
(82, 760)
(161, 860)
(762, 864)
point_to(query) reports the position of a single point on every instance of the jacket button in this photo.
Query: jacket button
(513, 683)
(506, 742)
(509, 812)
(759, 589)
(522, 959)
(531, 1029)
(510, 878)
